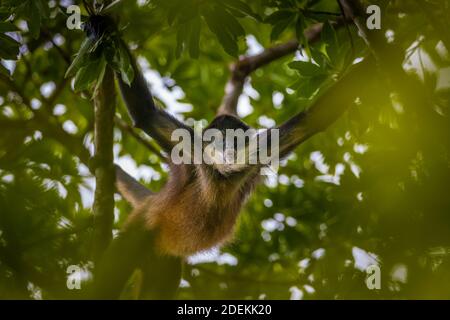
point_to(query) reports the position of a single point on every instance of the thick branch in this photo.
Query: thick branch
(246, 65)
(105, 102)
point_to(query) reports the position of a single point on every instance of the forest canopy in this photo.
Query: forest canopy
(370, 189)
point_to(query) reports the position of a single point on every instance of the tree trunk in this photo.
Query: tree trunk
(105, 104)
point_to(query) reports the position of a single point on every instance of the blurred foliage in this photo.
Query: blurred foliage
(374, 184)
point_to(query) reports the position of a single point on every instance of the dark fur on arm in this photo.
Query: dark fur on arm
(327, 108)
(130, 188)
(157, 123)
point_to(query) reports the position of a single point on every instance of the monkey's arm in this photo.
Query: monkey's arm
(130, 188)
(145, 115)
(326, 109)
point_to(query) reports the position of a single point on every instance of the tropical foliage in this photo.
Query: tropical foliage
(371, 189)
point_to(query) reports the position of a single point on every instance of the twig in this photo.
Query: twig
(60, 50)
(246, 65)
(130, 130)
(60, 234)
(355, 11)
(341, 7)
(326, 13)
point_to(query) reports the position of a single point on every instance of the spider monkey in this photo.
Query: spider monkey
(198, 206)
(195, 210)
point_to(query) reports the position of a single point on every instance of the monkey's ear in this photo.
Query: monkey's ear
(134, 192)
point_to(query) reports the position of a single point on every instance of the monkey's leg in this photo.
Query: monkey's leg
(119, 261)
(162, 275)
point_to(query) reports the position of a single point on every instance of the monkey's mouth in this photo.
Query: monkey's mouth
(225, 162)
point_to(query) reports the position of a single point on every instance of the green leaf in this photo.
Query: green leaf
(112, 6)
(126, 67)
(10, 42)
(329, 37)
(235, 13)
(279, 27)
(318, 57)
(42, 7)
(194, 38)
(88, 74)
(34, 22)
(225, 38)
(306, 69)
(112, 55)
(4, 71)
(308, 87)
(81, 57)
(9, 48)
(171, 16)
(241, 7)
(8, 27)
(5, 13)
(103, 66)
(230, 22)
(182, 34)
(278, 16)
(329, 34)
(182, 70)
(21, 9)
(300, 27)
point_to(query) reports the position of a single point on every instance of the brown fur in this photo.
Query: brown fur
(194, 211)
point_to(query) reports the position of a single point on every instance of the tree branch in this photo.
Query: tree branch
(105, 102)
(246, 65)
(130, 130)
(374, 39)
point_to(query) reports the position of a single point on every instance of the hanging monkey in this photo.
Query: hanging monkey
(198, 207)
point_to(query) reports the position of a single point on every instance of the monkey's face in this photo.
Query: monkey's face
(226, 142)
(226, 121)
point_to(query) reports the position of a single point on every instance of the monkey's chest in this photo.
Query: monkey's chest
(194, 225)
